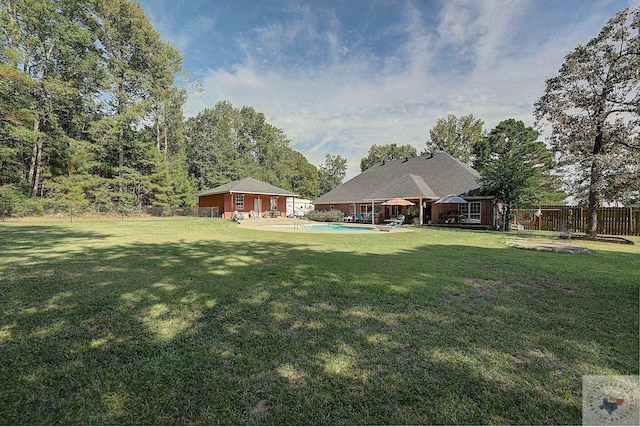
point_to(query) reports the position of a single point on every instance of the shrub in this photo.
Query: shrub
(325, 216)
(16, 204)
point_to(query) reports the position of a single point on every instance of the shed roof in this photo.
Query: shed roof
(248, 185)
(427, 177)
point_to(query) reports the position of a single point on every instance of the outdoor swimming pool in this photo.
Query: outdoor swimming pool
(327, 227)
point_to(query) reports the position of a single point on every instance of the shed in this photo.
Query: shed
(249, 196)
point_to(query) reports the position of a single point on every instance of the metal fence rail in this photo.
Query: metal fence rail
(69, 211)
(611, 221)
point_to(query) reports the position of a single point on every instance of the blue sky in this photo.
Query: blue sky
(339, 76)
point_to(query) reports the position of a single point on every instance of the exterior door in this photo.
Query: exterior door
(257, 205)
(426, 212)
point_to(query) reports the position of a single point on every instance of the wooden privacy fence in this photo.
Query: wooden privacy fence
(612, 221)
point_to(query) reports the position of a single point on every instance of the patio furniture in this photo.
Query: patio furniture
(396, 222)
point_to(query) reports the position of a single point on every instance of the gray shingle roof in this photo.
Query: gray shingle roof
(416, 177)
(248, 185)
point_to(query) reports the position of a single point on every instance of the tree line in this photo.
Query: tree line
(91, 113)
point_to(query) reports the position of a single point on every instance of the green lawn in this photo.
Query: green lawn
(197, 321)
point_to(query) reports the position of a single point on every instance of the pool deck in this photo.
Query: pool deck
(287, 225)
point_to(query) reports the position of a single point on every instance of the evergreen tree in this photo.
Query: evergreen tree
(511, 138)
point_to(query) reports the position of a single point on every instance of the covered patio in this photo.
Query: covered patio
(421, 181)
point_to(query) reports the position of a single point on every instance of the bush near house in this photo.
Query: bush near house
(325, 216)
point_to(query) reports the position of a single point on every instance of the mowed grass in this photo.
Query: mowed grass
(198, 321)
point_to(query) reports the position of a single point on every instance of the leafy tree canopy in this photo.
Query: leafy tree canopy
(226, 143)
(593, 109)
(456, 136)
(512, 139)
(378, 153)
(332, 172)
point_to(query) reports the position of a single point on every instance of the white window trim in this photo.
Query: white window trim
(239, 197)
(469, 210)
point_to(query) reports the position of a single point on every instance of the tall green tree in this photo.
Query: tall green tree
(81, 78)
(299, 175)
(592, 107)
(225, 143)
(512, 138)
(378, 153)
(456, 136)
(332, 172)
(511, 180)
(140, 69)
(16, 135)
(212, 147)
(52, 44)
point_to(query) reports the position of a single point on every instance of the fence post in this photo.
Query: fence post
(71, 212)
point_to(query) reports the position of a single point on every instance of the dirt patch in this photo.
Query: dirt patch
(260, 408)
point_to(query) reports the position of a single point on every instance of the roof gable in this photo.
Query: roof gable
(248, 185)
(407, 186)
(430, 176)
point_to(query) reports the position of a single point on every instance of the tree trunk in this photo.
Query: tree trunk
(157, 120)
(594, 201)
(36, 159)
(594, 184)
(38, 170)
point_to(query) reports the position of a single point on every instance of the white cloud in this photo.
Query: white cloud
(350, 101)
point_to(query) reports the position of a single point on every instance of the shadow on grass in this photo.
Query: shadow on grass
(278, 333)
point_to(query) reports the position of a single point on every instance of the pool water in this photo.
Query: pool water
(336, 227)
(329, 227)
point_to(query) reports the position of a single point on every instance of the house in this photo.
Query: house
(247, 196)
(425, 181)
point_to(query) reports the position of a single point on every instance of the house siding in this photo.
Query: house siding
(226, 203)
(439, 211)
(213, 201)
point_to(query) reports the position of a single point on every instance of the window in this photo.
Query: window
(470, 212)
(239, 201)
(274, 203)
(352, 209)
